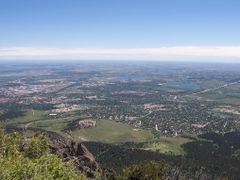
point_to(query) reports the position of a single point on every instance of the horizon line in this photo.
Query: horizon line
(171, 53)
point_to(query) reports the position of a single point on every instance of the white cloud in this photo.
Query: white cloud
(208, 53)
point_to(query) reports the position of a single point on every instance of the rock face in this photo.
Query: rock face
(87, 123)
(79, 154)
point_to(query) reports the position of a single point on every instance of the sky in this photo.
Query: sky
(120, 29)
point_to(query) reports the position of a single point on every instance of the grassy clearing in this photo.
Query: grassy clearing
(29, 116)
(167, 145)
(108, 131)
(41, 119)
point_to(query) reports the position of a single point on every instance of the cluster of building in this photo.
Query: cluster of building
(63, 108)
(158, 107)
(29, 89)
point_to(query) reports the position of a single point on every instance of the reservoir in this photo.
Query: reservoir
(183, 85)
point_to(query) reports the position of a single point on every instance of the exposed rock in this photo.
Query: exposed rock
(88, 123)
(79, 154)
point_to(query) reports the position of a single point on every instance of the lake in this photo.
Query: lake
(183, 85)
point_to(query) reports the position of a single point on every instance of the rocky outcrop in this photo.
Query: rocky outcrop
(79, 154)
(88, 123)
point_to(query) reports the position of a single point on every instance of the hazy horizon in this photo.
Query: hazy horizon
(120, 30)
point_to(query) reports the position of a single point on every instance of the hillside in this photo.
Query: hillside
(23, 157)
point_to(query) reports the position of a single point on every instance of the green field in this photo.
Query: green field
(108, 131)
(167, 145)
(105, 131)
(41, 119)
(29, 116)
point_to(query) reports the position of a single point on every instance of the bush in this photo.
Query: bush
(31, 159)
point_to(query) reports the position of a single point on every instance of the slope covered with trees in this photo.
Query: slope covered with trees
(31, 159)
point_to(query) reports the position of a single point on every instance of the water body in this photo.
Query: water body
(183, 85)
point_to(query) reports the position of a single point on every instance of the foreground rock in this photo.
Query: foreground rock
(79, 154)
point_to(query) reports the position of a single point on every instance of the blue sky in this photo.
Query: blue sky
(119, 23)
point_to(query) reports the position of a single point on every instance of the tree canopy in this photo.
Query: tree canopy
(31, 159)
